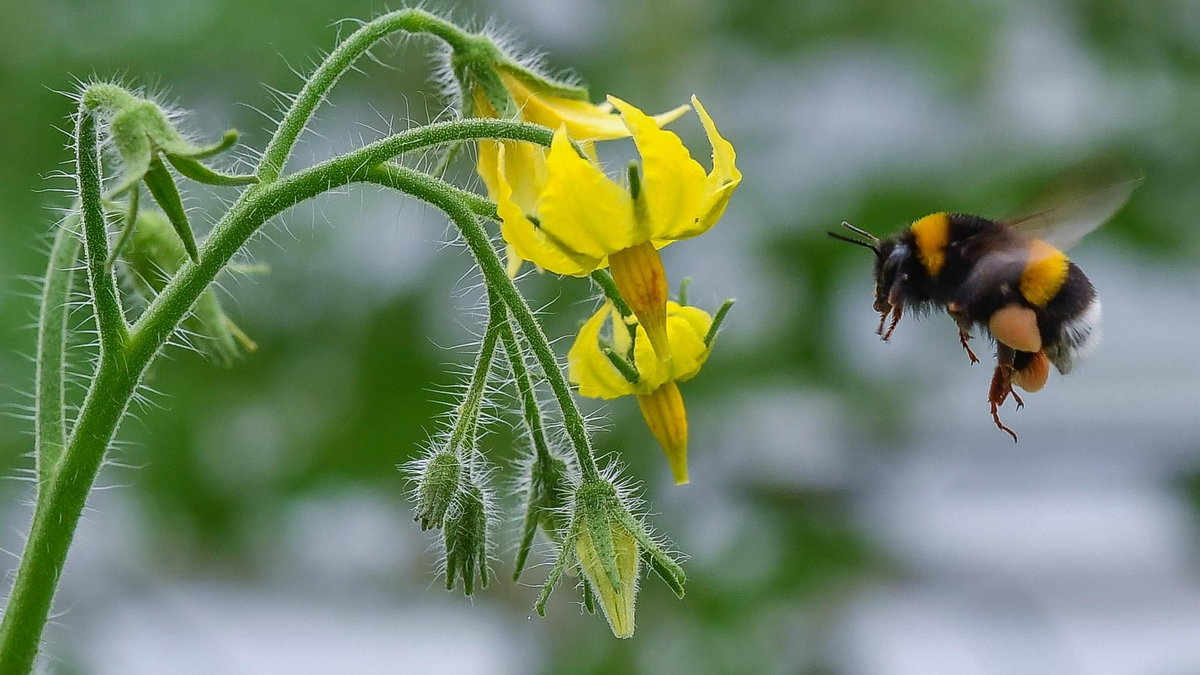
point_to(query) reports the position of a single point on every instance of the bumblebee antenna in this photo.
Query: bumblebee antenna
(871, 241)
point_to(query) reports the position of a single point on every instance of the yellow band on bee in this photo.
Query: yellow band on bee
(932, 234)
(1045, 273)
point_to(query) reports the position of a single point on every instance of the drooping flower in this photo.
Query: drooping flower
(582, 220)
(540, 102)
(612, 357)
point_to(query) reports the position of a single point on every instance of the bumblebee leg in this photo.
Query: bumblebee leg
(964, 329)
(882, 320)
(1001, 387)
(963, 337)
(897, 312)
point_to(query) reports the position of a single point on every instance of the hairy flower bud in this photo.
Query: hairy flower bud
(437, 488)
(144, 135)
(606, 543)
(608, 555)
(466, 540)
(153, 256)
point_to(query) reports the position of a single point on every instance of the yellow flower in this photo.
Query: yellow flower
(583, 220)
(593, 370)
(525, 170)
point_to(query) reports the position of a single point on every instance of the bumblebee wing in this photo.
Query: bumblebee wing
(995, 276)
(1075, 205)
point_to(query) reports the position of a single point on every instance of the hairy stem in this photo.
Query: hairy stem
(467, 421)
(50, 427)
(434, 191)
(336, 64)
(110, 320)
(124, 357)
(530, 410)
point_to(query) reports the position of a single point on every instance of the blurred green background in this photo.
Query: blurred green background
(852, 508)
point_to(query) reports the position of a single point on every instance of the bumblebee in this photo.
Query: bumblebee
(1010, 278)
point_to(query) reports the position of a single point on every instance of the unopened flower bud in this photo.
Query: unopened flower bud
(607, 543)
(549, 489)
(153, 256)
(437, 488)
(466, 540)
(608, 555)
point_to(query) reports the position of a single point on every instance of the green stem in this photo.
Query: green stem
(530, 409)
(434, 191)
(124, 358)
(110, 319)
(50, 429)
(337, 63)
(467, 422)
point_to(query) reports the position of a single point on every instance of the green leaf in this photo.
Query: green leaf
(162, 187)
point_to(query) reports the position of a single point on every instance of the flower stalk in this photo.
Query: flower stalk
(599, 537)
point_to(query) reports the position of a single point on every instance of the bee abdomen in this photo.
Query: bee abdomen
(1070, 322)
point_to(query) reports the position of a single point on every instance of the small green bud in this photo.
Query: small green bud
(607, 543)
(152, 256)
(466, 540)
(608, 556)
(545, 503)
(437, 488)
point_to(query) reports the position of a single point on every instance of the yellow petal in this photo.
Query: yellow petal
(617, 601)
(722, 180)
(589, 368)
(672, 182)
(667, 419)
(686, 328)
(584, 121)
(526, 239)
(581, 209)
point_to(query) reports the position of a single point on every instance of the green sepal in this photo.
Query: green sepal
(202, 174)
(565, 553)
(162, 187)
(593, 503)
(663, 564)
(540, 83)
(174, 144)
(479, 75)
(129, 217)
(684, 285)
(133, 146)
(717, 321)
(627, 369)
(466, 541)
(153, 255)
(589, 595)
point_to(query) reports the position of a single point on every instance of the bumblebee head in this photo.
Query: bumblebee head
(888, 257)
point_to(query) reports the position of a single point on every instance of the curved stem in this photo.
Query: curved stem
(336, 64)
(110, 320)
(124, 357)
(50, 429)
(434, 191)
